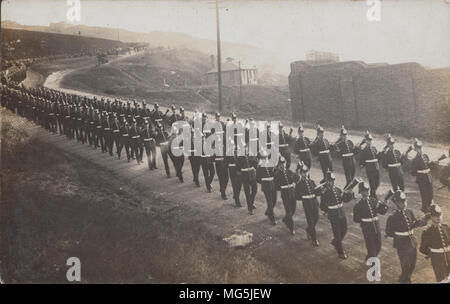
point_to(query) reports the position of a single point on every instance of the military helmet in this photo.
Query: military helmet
(343, 131)
(399, 196)
(301, 129)
(435, 211)
(319, 129)
(330, 175)
(390, 139)
(417, 143)
(368, 136)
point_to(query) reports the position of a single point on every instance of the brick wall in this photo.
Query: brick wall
(404, 99)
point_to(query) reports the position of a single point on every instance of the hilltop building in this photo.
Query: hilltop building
(231, 74)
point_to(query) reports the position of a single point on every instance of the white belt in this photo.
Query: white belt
(372, 160)
(238, 134)
(146, 117)
(107, 129)
(304, 150)
(157, 120)
(308, 196)
(124, 134)
(176, 148)
(254, 139)
(79, 119)
(407, 233)
(283, 145)
(336, 206)
(287, 186)
(270, 143)
(207, 131)
(116, 131)
(51, 114)
(206, 155)
(67, 116)
(324, 151)
(347, 154)
(394, 165)
(424, 171)
(372, 219)
(164, 143)
(219, 158)
(267, 178)
(134, 137)
(147, 139)
(192, 151)
(91, 122)
(248, 169)
(231, 165)
(440, 250)
(218, 132)
(137, 116)
(99, 127)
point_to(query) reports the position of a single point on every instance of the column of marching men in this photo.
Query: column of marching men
(117, 127)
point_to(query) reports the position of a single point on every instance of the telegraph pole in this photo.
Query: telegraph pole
(240, 83)
(219, 57)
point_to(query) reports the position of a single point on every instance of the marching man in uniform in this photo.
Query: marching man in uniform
(393, 161)
(369, 160)
(366, 213)
(321, 147)
(421, 170)
(400, 226)
(302, 147)
(305, 190)
(331, 203)
(284, 182)
(435, 244)
(265, 176)
(345, 148)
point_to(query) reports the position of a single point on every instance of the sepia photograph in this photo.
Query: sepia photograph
(225, 142)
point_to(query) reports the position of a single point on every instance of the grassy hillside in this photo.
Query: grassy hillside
(160, 76)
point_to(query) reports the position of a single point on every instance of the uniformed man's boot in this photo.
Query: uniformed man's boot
(343, 255)
(197, 183)
(315, 243)
(224, 196)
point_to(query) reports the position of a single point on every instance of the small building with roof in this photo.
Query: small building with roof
(232, 74)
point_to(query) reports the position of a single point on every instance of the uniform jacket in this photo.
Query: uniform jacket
(434, 238)
(266, 177)
(403, 222)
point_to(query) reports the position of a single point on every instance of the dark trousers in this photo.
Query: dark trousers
(373, 175)
(287, 156)
(325, 163)
(250, 188)
(208, 171)
(426, 193)
(236, 184)
(311, 208)
(164, 149)
(372, 237)
(396, 177)
(441, 265)
(150, 151)
(408, 258)
(339, 227)
(349, 169)
(178, 162)
(222, 174)
(290, 205)
(271, 200)
(60, 125)
(118, 142)
(126, 144)
(109, 142)
(195, 166)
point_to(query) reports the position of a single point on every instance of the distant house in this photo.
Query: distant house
(321, 56)
(230, 74)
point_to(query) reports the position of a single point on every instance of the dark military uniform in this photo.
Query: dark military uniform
(436, 245)
(178, 161)
(246, 166)
(321, 148)
(236, 181)
(369, 160)
(392, 161)
(265, 177)
(148, 138)
(400, 226)
(366, 213)
(346, 149)
(302, 149)
(284, 182)
(195, 160)
(331, 202)
(306, 191)
(421, 170)
(162, 140)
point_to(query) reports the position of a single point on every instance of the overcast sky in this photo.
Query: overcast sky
(409, 30)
